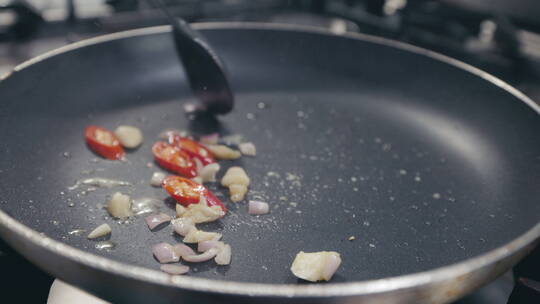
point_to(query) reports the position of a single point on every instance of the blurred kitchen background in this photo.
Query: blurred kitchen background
(499, 36)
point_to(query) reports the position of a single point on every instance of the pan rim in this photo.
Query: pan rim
(366, 287)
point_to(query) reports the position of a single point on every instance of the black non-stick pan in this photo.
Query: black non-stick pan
(432, 165)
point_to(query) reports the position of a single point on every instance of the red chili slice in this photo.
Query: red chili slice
(212, 200)
(173, 159)
(187, 192)
(103, 142)
(193, 148)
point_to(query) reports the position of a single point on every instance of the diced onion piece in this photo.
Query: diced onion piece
(331, 265)
(223, 152)
(174, 269)
(208, 172)
(237, 192)
(129, 136)
(157, 178)
(205, 256)
(183, 250)
(101, 230)
(204, 246)
(202, 213)
(211, 139)
(256, 207)
(119, 205)
(155, 220)
(224, 255)
(248, 149)
(165, 253)
(182, 226)
(316, 266)
(235, 175)
(196, 236)
(197, 179)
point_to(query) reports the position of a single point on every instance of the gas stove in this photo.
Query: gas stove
(501, 37)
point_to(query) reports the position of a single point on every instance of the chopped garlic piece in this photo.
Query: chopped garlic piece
(157, 178)
(182, 226)
(237, 192)
(198, 164)
(180, 210)
(130, 137)
(101, 230)
(316, 266)
(197, 236)
(248, 149)
(119, 205)
(223, 152)
(237, 180)
(235, 175)
(208, 172)
(224, 255)
(202, 213)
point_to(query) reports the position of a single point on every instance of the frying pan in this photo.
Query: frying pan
(432, 165)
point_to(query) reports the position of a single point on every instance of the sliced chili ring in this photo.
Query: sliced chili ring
(186, 192)
(173, 159)
(193, 148)
(103, 142)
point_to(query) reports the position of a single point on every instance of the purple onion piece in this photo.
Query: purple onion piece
(174, 269)
(206, 245)
(183, 250)
(256, 207)
(155, 220)
(164, 253)
(207, 255)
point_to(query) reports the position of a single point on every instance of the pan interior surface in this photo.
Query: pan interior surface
(423, 163)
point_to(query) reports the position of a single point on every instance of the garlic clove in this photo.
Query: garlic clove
(99, 231)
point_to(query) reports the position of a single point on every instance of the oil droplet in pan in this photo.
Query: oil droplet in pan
(105, 245)
(145, 205)
(77, 232)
